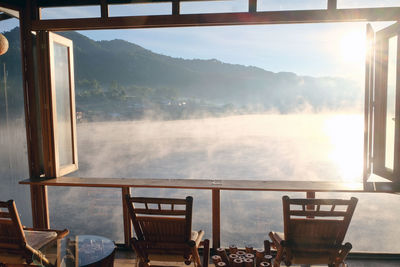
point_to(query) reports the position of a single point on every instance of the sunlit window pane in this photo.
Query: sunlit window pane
(268, 5)
(367, 3)
(200, 7)
(391, 103)
(140, 9)
(63, 100)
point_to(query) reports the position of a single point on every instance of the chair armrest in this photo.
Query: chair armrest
(345, 251)
(277, 240)
(60, 233)
(196, 242)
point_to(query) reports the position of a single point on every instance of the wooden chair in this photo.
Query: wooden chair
(314, 230)
(163, 228)
(19, 244)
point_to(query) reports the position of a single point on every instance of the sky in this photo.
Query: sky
(327, 49)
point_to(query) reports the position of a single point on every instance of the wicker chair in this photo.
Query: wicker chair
(163, 231)
(19, 244)
(314, 230)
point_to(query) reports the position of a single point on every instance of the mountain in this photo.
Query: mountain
(121, 71)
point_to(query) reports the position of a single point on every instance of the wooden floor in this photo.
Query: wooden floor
(127, 259)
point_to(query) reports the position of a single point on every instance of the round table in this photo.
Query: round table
(82, 250)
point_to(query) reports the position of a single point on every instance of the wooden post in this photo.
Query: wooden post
(311, 195)
(332, 4)
(216, 218)
(175, 7)
(40, 210)
(31, 109)
(252, 6)
(36, 11)
(39, 202)
(125, 216)
(104, 9)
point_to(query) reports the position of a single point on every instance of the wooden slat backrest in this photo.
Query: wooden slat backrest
(324, 226)
(161, 219)
(12, 236)
(313, 232)
(156, 229)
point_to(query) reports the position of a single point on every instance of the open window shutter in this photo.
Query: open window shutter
(382, 110)
(368, 105)
(58, 105)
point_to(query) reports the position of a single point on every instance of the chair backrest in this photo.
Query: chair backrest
(12, 237)
(316, 223)
(161, 219)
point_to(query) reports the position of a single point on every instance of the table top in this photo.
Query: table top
(80, 250)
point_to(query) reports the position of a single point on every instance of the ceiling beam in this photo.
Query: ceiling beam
(12, 4)
(71, 3)
(10, 12)
(221, 19)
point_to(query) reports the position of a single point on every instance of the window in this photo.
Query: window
(60, 157)
(382, 104)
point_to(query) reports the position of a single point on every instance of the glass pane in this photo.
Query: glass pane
(372, 228)
(71, 12)
(98, 211)
(248, 217)
(87, 211)
(140, 9)
(62, 89)
(391, 103)
(13, 150)
(204, 7)
(268, 5)
(367, 3)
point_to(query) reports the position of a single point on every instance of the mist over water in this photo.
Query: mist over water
(264, 146)
(316, 147)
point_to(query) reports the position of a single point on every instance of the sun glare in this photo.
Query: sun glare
(346, 135)
(352, 46)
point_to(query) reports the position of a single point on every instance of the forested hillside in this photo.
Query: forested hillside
(118, 79)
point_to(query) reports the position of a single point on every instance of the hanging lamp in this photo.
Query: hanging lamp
(3, 44)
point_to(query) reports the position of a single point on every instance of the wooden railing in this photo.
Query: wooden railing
(39, 200)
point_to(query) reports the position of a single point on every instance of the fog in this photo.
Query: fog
(14, 165)
(268, 147)
(317, 147)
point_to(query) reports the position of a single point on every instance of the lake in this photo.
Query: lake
(317, 147)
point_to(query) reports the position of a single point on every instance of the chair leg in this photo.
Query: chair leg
(287, 263)
(196, 257)
(278, 258)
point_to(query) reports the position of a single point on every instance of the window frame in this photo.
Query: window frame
(376, 90)
(58, 169)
